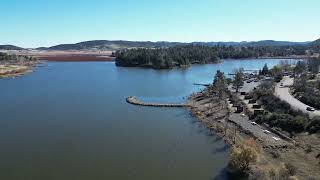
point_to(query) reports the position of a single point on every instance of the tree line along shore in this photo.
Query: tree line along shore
(14, 65)
(273, 142)
(184, 56)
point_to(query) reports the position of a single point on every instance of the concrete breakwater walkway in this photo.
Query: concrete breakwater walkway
(201, 84)
(135, 101)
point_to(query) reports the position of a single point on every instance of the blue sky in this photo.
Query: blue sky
(34, 23)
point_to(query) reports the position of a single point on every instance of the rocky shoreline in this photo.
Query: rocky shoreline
(218, 116)
(214, 114)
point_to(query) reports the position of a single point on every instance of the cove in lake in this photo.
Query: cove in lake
(70, 120)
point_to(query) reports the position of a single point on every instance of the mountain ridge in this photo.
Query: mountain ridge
(10, 47)
(124, 44)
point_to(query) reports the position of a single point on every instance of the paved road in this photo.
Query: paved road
(284, 94)
(257, 130)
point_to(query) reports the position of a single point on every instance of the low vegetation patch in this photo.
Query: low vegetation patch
(284, 171)
(306, 85)
(307, 91)
(242, 156)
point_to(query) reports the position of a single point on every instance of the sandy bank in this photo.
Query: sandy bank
(13, 70)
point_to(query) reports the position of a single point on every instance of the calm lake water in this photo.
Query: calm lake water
(70, 121)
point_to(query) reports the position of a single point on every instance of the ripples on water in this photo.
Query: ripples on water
(70, 121)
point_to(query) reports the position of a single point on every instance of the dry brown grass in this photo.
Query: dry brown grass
(242, 156)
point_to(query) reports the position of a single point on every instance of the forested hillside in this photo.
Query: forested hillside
(160, 58)
(10, 47)
(118, 45)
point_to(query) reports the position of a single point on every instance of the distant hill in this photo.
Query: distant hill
(110, 45)
(119, 44)
(316, 42)
(10, 47)
(315, 46)
(116, 45)
(275, 43)
(230, 43)
(252, 43)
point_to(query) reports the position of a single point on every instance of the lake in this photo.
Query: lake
(70, 120)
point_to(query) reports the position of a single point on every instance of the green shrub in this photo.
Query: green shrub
(281, 114)
(314, 125)
(286, 122)
(243, 156)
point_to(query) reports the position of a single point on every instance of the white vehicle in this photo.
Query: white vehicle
(243, 115)
(254, 123)
(276, 138)
(310, 109)
(266, 131)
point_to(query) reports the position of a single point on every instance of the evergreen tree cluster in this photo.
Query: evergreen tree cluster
(163, 58)
(4, 57)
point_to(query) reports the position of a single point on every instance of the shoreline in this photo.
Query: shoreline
(215, 118)
(67, 55)
(235, 129)
(7, 71)
(11, 70)
(76, 58)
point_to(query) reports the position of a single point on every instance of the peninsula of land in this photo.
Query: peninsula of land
(16, 65)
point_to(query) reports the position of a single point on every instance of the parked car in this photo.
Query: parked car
(254, 123)
(266, 131)
(310, 109)
(276, 138)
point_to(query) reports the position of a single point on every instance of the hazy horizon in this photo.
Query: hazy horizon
(36, 23)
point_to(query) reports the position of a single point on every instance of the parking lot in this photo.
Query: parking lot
(261, 133)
